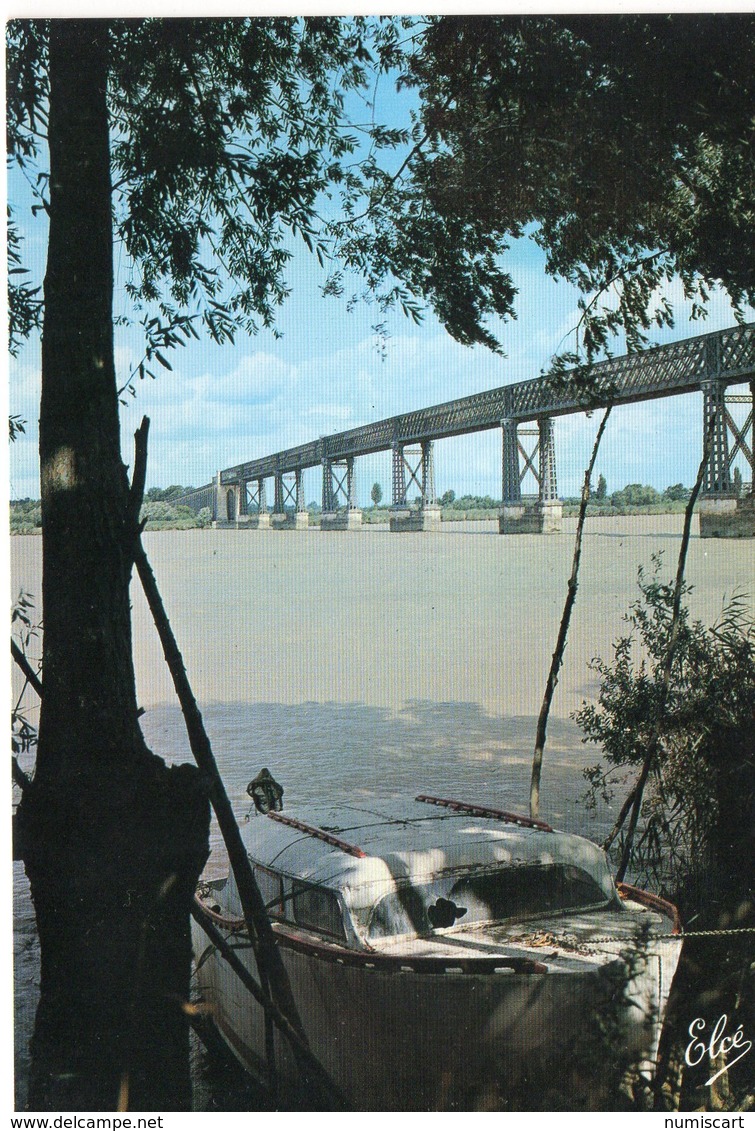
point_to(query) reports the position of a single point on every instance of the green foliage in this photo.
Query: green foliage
(166, 494)
(159, 510)
(24, 303)
(25, 516)
(376, 494)
(677, 493)
(234, 139)
(163, 515)
(700, 799)
(634, 495)
(469, 502)
(601, 489)
(624, 146)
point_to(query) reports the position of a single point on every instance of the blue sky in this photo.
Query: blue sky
(224, 405)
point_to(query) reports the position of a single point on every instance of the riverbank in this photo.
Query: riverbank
(28, 521)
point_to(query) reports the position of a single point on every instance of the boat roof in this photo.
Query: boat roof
(364, 849)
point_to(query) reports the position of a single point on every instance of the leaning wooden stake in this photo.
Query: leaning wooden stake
(558, 655)
(655, 738)
(275, 983)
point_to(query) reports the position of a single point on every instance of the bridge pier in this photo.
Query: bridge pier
(419, 463)
(520, 516)
(257, 514)
(721, 513)
(289, 494)
(229, 503)
(339, 499)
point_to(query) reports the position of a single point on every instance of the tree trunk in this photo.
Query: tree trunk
(112, 839)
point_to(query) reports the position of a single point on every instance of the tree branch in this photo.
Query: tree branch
(558, 655)
(139, 478)
(26, 667)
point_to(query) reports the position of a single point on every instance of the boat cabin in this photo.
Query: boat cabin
(360, 874)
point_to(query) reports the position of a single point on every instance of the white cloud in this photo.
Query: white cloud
(224, 405)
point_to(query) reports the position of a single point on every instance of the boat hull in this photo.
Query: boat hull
(398, 1038)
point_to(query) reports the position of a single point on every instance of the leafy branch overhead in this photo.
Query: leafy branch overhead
(230, 140)
(623, 147)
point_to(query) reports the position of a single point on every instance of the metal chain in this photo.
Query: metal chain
(681, 935)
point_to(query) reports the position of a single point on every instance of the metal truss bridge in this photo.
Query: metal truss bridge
(709, 363)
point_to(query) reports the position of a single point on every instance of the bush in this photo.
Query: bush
(635, 495)
(25, 516)
(700, 800)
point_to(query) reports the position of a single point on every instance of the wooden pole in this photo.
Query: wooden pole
(273, 976)
(558, 655)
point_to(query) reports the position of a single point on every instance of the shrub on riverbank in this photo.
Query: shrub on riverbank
(26, 517)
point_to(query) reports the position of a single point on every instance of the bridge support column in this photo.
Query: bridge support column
(511, 518)
(299, 520)
(217, 502)
(263, 514)
(286, 514)
(419, 463)
(721, 513)
(242, 513)
(339, 499)
(549, 504)
(543, 516)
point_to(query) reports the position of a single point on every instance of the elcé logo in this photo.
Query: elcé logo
(719, 1043)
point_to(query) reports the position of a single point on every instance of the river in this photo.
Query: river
(360, 664)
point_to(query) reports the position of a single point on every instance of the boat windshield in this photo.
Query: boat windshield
(511, 893)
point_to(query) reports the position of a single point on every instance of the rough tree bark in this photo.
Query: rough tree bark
(113, 840)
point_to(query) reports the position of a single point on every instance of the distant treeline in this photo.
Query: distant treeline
(158, 511)
(162, 512)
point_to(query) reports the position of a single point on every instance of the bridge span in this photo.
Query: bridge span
(710, 363)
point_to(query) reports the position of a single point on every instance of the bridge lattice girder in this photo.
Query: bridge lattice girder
(726, 357)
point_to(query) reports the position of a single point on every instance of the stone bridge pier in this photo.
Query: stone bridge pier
(413, 467)
(526, 516)
(339, 499)
(230, 503)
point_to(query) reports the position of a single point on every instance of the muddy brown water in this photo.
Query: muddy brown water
(364, 664)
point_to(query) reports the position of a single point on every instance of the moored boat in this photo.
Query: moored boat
(444, 955)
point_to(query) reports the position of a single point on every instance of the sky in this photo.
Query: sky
(224, 405)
